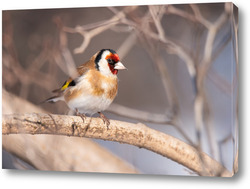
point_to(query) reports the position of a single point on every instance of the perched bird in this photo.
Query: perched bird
(95, 87)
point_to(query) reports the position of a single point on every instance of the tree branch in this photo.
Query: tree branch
(134, 134)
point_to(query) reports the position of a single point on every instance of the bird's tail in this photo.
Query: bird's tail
(53, 99)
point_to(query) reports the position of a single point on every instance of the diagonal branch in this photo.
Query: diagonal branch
(134, 134)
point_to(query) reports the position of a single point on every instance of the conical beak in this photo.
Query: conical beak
(120, 66)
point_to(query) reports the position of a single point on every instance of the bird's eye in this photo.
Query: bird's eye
(109, 61)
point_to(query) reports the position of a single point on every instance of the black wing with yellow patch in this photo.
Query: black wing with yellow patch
(68, 83)
(72, 82)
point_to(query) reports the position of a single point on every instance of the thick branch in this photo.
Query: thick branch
(134, 134)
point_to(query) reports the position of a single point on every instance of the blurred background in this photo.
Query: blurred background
(182, 73)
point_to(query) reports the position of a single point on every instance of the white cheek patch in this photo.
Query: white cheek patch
(103, 65)
(104, 68)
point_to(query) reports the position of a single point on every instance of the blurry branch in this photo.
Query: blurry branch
(224, 141)
(98, 29)
(171, 94)
(39, 150)
(139, 114)
(64, 58)
(20, 165)
(28, 76)
(152, 49)
(170, 45)
(157, 21)
(60, 153)
(134, 134)
(127, 45)
(15, 72)
(197, 17)
(220, 82)
(201, 108)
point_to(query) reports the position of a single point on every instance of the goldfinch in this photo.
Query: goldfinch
(95, 87)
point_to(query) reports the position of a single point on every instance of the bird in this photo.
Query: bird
(95, 86)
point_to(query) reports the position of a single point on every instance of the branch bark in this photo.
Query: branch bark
(134, 134)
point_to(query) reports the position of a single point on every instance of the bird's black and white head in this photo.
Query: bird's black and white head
(108, 62)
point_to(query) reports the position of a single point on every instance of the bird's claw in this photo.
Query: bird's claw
(104, 119)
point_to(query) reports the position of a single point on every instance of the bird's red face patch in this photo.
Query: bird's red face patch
(112, 69)
(112, 59)
(115, 57)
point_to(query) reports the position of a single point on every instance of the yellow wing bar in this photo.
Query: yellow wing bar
(69, 82)
(66, 84)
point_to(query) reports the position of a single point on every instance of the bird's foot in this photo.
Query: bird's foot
(83, 116)
(105, 119)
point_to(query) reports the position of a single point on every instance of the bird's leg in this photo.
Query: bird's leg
(105, 119)
(80, 115)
